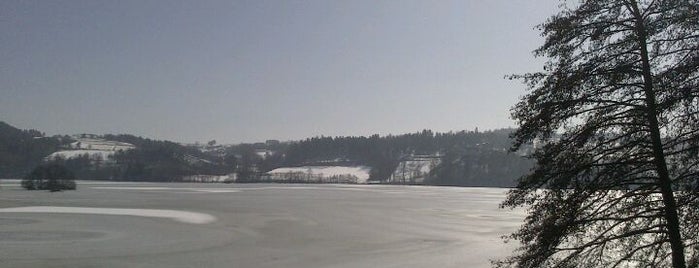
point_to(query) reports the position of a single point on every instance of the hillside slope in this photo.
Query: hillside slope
(21, 150)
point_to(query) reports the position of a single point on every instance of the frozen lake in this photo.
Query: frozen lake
(105, 224)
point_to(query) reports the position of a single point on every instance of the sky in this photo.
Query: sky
(247, 71)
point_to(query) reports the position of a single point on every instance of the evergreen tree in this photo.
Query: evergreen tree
(51, 177)
(621, 181)
(22, 150)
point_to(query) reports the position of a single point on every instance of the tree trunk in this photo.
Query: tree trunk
(673, 224)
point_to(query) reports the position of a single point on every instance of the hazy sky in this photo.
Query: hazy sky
(244, 71)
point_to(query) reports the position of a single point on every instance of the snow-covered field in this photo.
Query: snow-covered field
(413, 170)
(210, 178)
(359, 174)
(96, 149)
(100, 144)
(253, 225)
(92, 154)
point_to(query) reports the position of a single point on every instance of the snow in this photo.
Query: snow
(210, 178)
(101, 145)
(414, 170)
(263, 226)
(263, 153)
(138, 188)
(177, 215)
(95, 148)
(361, 173)
(93, 154)
(195, 160)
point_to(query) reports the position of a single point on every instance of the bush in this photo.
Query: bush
(51, 177)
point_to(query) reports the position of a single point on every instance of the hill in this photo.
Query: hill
(22, 150)
(465, 158)
(143, 159)
(106, 157)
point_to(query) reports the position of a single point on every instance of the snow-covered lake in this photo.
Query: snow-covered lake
(253, 225)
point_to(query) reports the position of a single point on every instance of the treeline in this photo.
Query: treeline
(22, 150)
(151, 160)
(470, 158)
(478, 167)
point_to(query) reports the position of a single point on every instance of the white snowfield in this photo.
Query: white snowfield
(414, 170)
(210, 178)
(94, 148)
(262, 153)
(360, 173)
(101, 144)
(92, 154)
(177, 215)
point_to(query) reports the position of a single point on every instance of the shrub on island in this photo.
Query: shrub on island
(52, 177)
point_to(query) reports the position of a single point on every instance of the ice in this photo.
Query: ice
(261, 226)
(205, 190)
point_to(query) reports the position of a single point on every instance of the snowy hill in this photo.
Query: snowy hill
(96, 149)
(92, 154)
(100, 145)
(414, 169)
